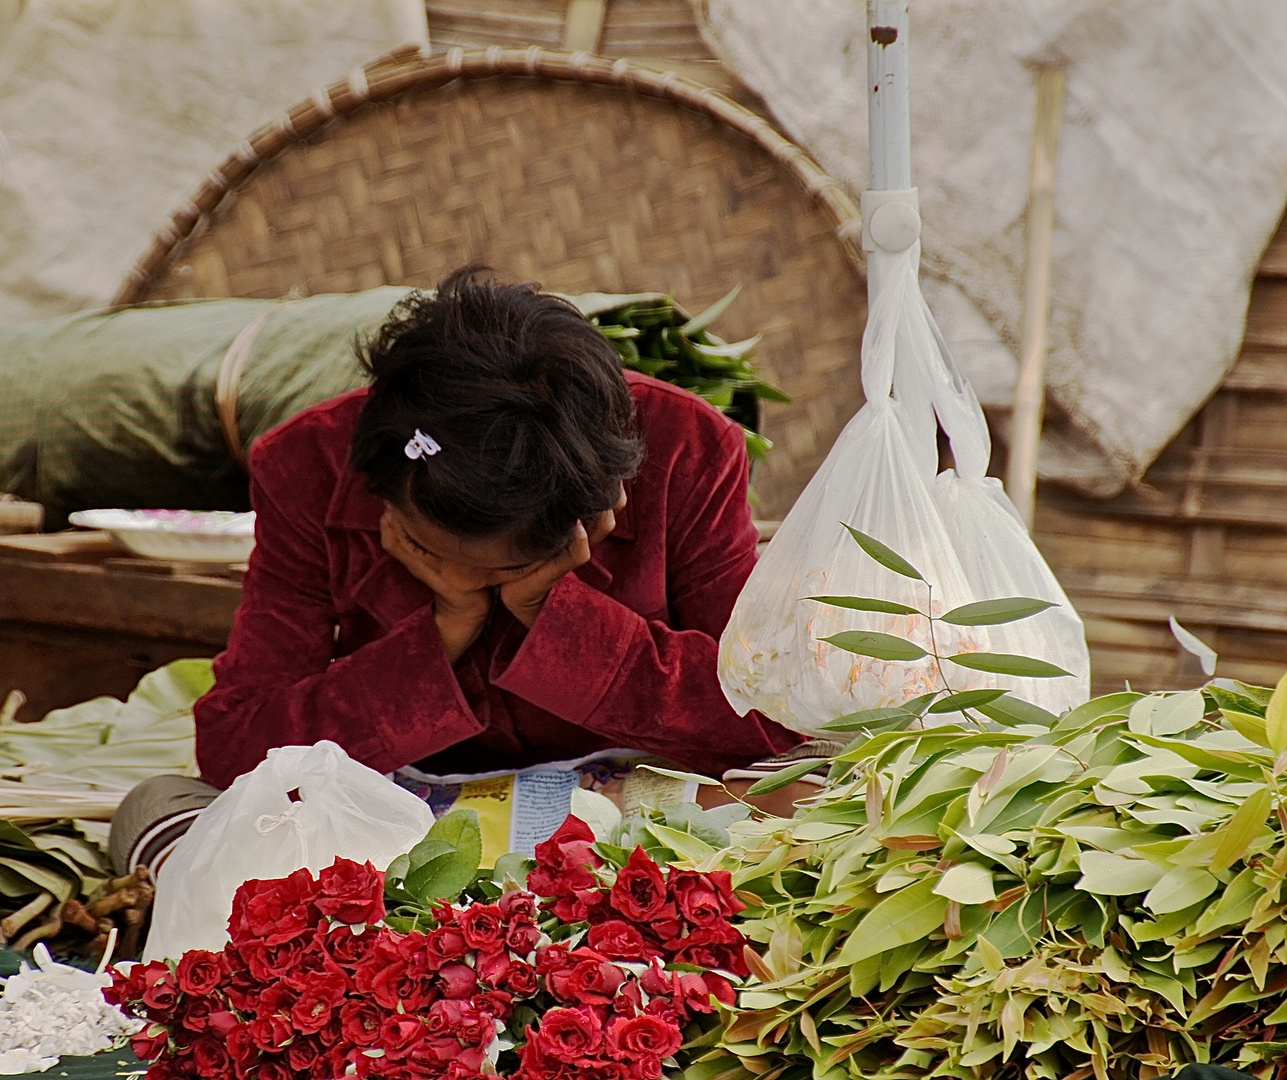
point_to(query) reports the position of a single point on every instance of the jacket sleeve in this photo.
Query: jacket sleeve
(390, 702)
(644, 684)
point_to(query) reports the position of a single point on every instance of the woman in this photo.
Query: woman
(504, 551)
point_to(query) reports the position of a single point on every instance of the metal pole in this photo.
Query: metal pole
(1030, 386)
(888, 120)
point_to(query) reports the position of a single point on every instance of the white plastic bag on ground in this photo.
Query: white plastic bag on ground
(256, 829)
(957, 531)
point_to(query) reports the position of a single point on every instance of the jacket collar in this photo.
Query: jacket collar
(354, 507)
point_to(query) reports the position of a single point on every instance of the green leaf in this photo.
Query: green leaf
(1180, 888)
(1239, 831)
(1107, 874)
(902, 917)
(397, 870)
(512, 866)
(426, 851)
(873, 643)
(868, 718)
(782, 777)
(994, 612)
(1008, 664)
(1251, 728)
(1012, 710)
(446, 860)
(698, 323)
(967, 883)
(865, 603)
(966, 699)
(1191, 643)
(1276, 717)
(886, 556)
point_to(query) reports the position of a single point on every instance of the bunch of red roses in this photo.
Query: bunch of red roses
(312, 984)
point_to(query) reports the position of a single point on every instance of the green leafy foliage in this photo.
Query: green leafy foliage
(1098, 894)
(442, 865)
(656, 337)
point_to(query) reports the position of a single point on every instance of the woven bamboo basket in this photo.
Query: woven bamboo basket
(579, 172)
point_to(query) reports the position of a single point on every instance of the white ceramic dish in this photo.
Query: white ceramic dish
(214, 536)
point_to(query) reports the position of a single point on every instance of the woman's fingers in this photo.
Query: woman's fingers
(525, 596)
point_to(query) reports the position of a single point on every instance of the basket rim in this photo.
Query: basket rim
(403, 71)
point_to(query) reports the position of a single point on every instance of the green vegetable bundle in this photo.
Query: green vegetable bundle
(657, 338)
(1100, 894)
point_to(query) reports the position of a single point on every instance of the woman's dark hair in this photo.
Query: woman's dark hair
(524, 396)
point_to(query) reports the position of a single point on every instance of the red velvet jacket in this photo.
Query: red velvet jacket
(335, 639)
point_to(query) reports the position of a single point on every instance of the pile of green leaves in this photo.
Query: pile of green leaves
(1100, 894)
(656, 337)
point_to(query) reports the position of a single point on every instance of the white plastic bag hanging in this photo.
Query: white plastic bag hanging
(257, 829)
(957, 530)
(771, 656)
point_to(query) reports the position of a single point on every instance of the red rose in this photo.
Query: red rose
(151, 1042)
(482, 926)
(582, 905)
(634, 1037)
(268, 962)
(719, 988)
(495, 1003)
(444, 944)
(241, 1046)
(392, 984)
(640, 891)
(273, 1070)
(400, 1035)
(553, 957)
(491, 968)
(457, 980)
(360, 1022)
(518, 906)
(319, 995)
(629, 999)
(274, 911)
(199, 972)
(716, 947)
(566, 861)
(594, 981)
(210, 1056)
(347, 949)
(647, 1067)
(271, 1032)
(351, 892)
(301, 1055)
(333, 1064)
(568, 1034)
(521, 980)
(618, 940)
(195, 1014)
(522, 937)
(222, 1023)
(705, 899)
(159, 989)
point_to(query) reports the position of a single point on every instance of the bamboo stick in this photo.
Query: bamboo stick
(1030, 387)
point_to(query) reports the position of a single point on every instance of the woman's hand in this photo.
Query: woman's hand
(525, 596)
(460, 616)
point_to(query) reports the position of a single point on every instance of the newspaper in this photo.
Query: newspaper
(519, 808)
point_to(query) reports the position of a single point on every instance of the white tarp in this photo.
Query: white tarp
(1172, 177)
(112, 111)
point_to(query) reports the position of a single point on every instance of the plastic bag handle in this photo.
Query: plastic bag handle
(905, 355)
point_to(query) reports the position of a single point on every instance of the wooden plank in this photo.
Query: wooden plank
(1218, 603)
(1274, 261)
(183, 608)
(1259, 371)
(1267, 314)
(56, 667)
(584, 25)
(58, 547)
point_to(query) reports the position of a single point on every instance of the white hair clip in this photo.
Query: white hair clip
(421, 445)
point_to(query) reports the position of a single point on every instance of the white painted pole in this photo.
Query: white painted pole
(888, 119)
